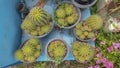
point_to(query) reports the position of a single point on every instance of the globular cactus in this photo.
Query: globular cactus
(30, 59)
(91, 35)
(82, 52)
(69, 9)
(39, 16)
(56, 49)
(19, 55)
(27, 25)
(70, 20)
(45, 28)
(33, 41)
(37, 53)
(61, 22)
(60, 13)
(34, 33)
(28, 50)
(95, 22)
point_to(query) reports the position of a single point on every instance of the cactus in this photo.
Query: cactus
(45, 28)
(82, 37)
(60, 13)
(28, 50)
(61, 22)
(82, 52)
(37, 53)
(95, 22)
(39, 16)
(56, 49)
(33, 33)
(30, 59)
(33, 41)
(70, 19)
(69, 9)
(91, 35)
(27, 25)
(86, 33)
(19, 55)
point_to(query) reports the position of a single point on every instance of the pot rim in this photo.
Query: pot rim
(83, 6)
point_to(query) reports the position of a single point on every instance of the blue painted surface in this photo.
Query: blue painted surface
(10, 32)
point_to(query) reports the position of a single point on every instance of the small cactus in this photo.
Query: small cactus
(30, 59)
(70, 19)
(19, 55)
(60, 13)
(56, 49)
(95, 22)
(39, 16)
(82, 52)
(69, 9)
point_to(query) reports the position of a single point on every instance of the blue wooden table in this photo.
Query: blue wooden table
(10, 32)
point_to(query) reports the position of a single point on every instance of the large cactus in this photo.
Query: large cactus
(95, 22)
(39, 16)
(83, 52)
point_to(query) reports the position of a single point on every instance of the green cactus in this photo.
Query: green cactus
(82, 37)
(39, 16)
(38, 47)
(95, 22)
(30, 59)
(91, 35)
(82, 52)
(86, 33)
(69, 9)
(28, 50)
(45, 28)
(61, 22)
(78, 32)
(19, 55)
(34, 33)
(86, 28)
(60, 13)
(56, 49)
(70, 20)
(37, 53)
(33, 41)
(79, 25)
(27, 25)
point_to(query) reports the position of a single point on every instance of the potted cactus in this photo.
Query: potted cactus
(29, 51)
(83, 32)
(95, 22)
(84, 3)
(57, 50)
(38, 23)
(67, 15)
(82, 52)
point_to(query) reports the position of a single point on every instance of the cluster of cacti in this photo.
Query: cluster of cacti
(34, 30)
(30, 51)
(39, 17)
(57, 48)
(82, 52)
(38, 22)
(95, 22)
(83, 31)
(66, 15)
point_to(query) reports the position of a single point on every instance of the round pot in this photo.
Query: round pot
(52, 41)
(79, 38)
(87, 60)
(79, 13)
(40, 35)
(24, 45)
(84, 6)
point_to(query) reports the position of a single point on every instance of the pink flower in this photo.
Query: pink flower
(94, 39)
(102, 42)
(91, 67)
(98, 61)
(99, 54)
(97, 66)
(104, 60)
(98, 49)
(108, 64)
(110, 49)
(115, 45)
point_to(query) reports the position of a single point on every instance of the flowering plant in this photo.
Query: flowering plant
(107, 50)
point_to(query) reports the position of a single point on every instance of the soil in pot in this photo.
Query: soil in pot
(29, 51)
(82, 52)
(57, 50)
(84, 2)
